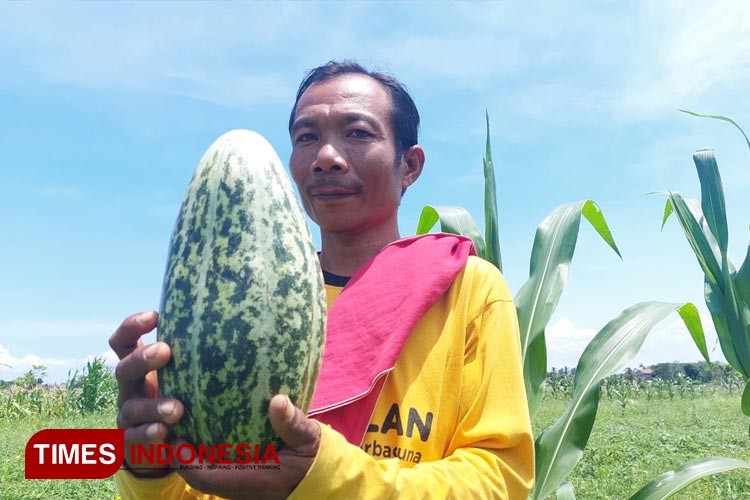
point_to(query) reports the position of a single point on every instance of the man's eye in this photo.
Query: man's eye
(359, 133)
(306, 137)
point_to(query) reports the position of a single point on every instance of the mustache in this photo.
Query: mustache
(330, 183)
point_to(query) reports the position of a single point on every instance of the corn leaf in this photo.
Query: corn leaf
(551, 255)
(719, 117)
(594, 215)
(727, 291)
(715, 303)
(668, 209)
(742, 282)
(427, 219)
(712, 198)
(453, 219)
(745, 400)
(700, 237)
(671, 482)
(691, 318)
(565, 492)
(736, 315)
(491, 227)
(560, 447)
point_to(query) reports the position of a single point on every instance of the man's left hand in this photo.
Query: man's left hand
(301, 437)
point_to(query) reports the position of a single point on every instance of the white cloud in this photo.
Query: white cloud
(672, 342)
(667, 342)
(687, 50)
(566, 342)
(57, 368)
(12, 366)
(61, 346)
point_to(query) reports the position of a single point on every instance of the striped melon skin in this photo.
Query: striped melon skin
(243, 303)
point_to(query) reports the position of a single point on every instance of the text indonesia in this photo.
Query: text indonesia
(100, 453)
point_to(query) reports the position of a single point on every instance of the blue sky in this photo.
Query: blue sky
(105, 109)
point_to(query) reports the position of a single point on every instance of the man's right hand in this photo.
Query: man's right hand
(144, 416)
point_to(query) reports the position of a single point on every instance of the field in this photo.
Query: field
(630, 444)
(13, 437)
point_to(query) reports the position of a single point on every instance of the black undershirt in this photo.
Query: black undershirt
(334, 279)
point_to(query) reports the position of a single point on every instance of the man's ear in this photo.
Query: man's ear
(413, 163)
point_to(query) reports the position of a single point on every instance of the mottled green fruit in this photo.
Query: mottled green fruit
(243, 304)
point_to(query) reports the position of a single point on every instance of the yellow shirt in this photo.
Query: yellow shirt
(451, 422)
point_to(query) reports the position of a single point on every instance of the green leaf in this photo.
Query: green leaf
(668, 209)
(745, 400)
(716, 306)
(736, 316)
(427, 220)
(594, 215)
(719, 117)
(565, 492)
(692, 320)
(491, 227)
(700, 237)
(551, 255)
(453, 219)
(742, 281)
(712, 197)
(671, 482)
(560, 447)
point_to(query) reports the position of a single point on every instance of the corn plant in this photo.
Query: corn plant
(727, 290)
(560, 447)
(95, 389)
(727, 294)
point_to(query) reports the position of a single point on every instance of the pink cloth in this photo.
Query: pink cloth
(371, 319)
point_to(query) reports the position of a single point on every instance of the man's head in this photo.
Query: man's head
(404, 113)
(345, 152)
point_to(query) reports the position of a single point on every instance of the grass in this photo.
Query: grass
(630, 446)
(13, 437)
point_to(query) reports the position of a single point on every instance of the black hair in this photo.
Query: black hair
(404, 112)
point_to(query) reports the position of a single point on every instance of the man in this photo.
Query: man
(450, 418)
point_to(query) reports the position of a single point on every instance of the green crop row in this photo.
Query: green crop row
(92, 390)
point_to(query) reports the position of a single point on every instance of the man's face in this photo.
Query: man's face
(344, 155)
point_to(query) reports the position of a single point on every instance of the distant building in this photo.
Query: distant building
(645, 373)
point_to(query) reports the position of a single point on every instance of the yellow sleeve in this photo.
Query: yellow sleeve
(490, 453)
(171, 487)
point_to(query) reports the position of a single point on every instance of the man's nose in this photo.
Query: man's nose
(329, 160)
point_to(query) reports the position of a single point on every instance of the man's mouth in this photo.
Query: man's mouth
(331, 193)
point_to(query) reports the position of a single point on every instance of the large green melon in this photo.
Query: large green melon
(243, 303)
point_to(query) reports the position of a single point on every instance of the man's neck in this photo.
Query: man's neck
(342, 254)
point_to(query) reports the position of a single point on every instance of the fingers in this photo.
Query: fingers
(146, 423)
(135, 373)
(138, 411)
(296, 430)
(142, 360)
(140, 443)
(283, 473)
(127, 336)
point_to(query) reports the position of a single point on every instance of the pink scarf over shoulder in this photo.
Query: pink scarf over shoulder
(371, 319)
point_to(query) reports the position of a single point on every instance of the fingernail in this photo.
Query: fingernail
(288, 409)
(152, 431)
(145, 317)
(166, 409)
(150, 351)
